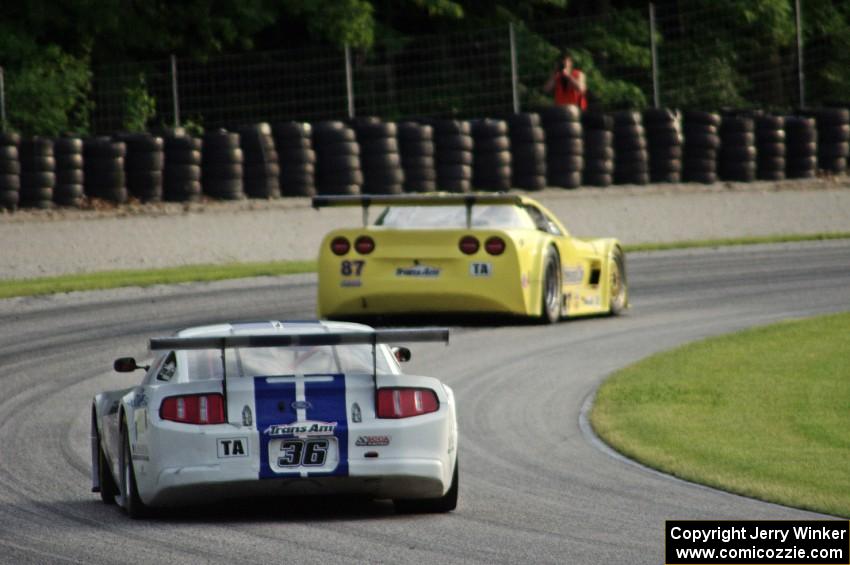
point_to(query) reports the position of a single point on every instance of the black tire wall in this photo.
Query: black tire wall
(261, 166)
(417, 151)
(69, 190)
(38, 172)
(182, 168)
(528, 151)
(103, 169)
(297, 158)
(10, 171)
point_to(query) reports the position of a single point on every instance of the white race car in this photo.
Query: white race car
(277, 408)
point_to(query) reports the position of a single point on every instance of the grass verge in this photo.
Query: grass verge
(197, 273)
(115, 279)
(761, 413)
(737, 241)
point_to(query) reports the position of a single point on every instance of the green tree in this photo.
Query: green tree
(139, 106)
(47, 88)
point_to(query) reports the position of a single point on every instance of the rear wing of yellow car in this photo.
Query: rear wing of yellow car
(437, 199)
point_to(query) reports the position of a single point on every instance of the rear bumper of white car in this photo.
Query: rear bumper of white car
(410, 478)
(183, 464)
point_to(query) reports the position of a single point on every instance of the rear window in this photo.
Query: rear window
(454, 217)
(276, 361)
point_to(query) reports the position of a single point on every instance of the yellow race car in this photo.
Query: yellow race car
(462, 253)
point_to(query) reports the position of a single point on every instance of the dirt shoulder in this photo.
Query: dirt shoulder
(63, 241)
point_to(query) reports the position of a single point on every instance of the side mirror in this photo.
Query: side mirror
(127, 365)
(402, 354)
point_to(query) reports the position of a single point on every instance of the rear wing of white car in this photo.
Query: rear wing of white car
(437, 199)
(373, 338)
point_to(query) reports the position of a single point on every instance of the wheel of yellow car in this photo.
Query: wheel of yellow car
(619, 290)
(551, 295)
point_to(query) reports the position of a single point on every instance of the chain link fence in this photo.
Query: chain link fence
(488, 72)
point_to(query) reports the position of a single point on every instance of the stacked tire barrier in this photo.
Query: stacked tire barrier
(564, 146)
(261, 169)
(528, 151)
(737, 156)
(222, 170)
(379, 156)
(103, 169)
(69, 190)
(833, 139)
(631, 158)
(598, 131)
(416, 148)
(453, 152)
(294, 145)
(182, 168)
(664, 141)
(143, 166)
(10, 171)
(770, 147)
(491, 155)
(702, 141)
(38, 172)
(801, 141)
(337, 159)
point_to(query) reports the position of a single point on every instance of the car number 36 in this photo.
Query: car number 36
(308, 453)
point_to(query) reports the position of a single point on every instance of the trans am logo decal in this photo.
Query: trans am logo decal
(310, 437)
(302, 429)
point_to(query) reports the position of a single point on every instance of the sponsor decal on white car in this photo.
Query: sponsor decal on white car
(372, 441)
(302, 429)
(232, 447)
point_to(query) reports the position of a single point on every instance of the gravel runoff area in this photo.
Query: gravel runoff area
(39, 243)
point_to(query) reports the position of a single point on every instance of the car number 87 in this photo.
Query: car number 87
(349, 268)
(307, 453)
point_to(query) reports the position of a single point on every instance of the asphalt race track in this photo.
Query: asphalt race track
(534, 486)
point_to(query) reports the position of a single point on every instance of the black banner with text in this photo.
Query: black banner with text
(808, 542)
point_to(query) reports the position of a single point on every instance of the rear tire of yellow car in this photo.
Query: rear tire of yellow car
(445, 503)
(551, 293)
(618, 289)
(131, 502)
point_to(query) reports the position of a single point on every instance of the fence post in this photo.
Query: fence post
(801, 76)
(2, 100)
(656, 95)
(174, 96)
(349, 82)
(514, 77)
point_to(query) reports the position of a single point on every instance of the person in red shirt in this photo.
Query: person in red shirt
(568, 84)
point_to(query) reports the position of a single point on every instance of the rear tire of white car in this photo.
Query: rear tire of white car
(551, 290)
(130, 501)
(108, 487)
(445, 503)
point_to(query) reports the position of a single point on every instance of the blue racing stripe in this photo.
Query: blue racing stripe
(276, 406)
(269, 398)
(327, 404)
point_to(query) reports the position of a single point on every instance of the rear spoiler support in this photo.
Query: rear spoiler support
(437, 199)
(372, 338)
